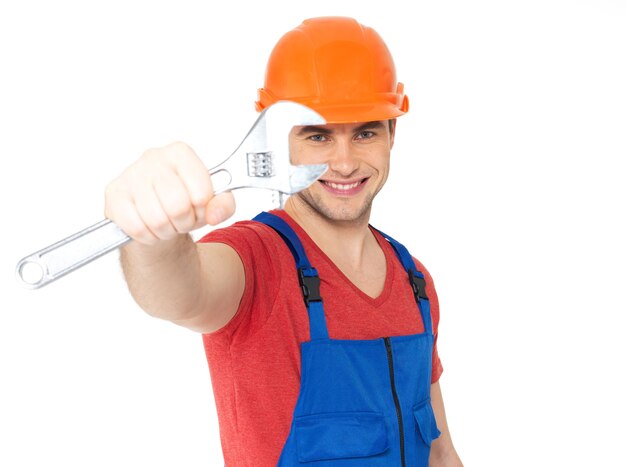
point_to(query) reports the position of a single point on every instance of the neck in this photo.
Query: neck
(344, 242)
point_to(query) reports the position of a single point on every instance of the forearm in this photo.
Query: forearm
(442, 453)
(165, 279)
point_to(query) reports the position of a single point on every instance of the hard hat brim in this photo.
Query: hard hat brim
(359, 113)
(347, 113)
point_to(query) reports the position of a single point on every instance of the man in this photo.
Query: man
(346, 373)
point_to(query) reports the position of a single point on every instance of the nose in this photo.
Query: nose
(344, 160)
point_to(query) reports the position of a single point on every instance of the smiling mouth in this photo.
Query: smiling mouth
(343, 186)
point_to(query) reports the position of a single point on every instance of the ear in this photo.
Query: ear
(392, 131)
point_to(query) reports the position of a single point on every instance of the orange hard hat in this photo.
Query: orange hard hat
(335, 66)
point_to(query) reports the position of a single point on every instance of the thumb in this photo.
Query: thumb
(220, 208)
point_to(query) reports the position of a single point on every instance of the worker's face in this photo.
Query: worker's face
(357, 155)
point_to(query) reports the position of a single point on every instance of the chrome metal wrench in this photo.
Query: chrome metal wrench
(261, 161)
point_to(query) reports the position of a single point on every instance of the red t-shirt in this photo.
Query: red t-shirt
(254, 360)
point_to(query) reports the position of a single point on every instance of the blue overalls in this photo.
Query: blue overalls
(361, 402)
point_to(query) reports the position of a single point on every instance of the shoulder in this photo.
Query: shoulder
(246, 230)
(419, 266)
(259, 247)
(401, 250)
(248, 238)
(263, 255)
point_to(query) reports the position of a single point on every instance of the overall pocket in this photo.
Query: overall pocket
(425, 422)
(340, 436)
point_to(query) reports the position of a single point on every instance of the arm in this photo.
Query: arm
(157, 201)
(442, 452)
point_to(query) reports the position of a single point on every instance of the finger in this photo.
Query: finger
(152, 214)
(175, 201)
(131, 223)
(200, 214)
(120, 208)
(220, 208)
(193, 173)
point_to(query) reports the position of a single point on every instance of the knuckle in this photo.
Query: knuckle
(185, 225)
(200, 217)
(139, 233)
(180, 145)
(178, 210)
(111, 190)
(179, 148)
(202, 197)
(134, 231)
(159, 224)
(149, 154)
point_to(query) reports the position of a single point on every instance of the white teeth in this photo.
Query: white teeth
(343, 187)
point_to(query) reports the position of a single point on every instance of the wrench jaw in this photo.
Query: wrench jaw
(280, 118)
(262, 160)
(303, 176)
(290, 114)
(287, 180)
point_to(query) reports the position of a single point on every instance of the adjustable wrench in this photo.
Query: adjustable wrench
(260, 161)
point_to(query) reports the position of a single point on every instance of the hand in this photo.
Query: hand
(165, 193)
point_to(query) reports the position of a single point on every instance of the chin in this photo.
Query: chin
(337, 213)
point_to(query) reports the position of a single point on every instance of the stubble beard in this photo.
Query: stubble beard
(340, 214)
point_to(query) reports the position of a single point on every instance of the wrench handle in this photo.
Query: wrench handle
(67, 255)
(64, 256)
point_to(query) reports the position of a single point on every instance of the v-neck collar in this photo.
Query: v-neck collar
(382, 243)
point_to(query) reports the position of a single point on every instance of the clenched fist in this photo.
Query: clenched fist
(166, 192)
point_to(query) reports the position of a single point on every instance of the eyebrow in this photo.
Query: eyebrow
(313, 129)
(321, 129)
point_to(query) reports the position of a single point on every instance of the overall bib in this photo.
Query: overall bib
(361, 402)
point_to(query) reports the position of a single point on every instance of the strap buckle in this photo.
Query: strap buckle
(310, 284)
(418, 284)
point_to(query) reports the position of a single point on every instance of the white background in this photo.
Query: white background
(507, 181)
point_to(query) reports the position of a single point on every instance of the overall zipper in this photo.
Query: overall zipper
(395, 398)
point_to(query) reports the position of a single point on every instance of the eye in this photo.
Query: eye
(365, 134)
(318, 138)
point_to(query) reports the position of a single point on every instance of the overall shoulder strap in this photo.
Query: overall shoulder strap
(307, 274)
(416, 279)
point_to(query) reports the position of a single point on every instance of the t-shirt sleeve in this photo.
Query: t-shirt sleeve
(437, 368)
(253, 243)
